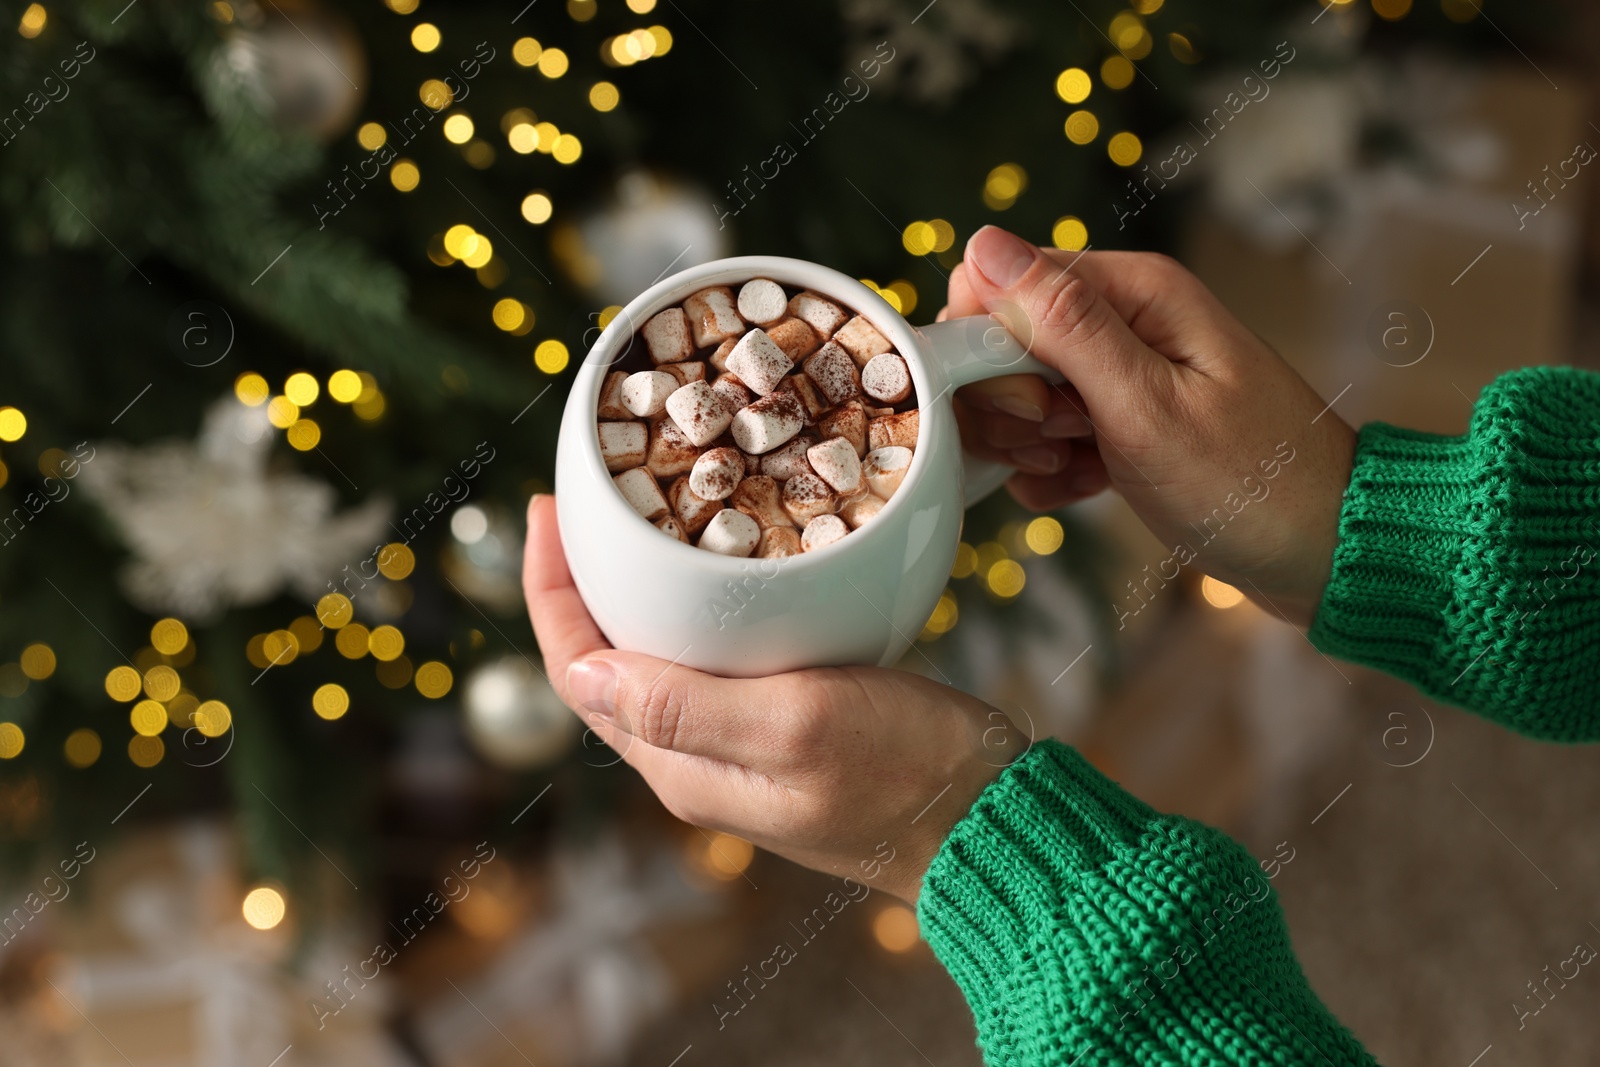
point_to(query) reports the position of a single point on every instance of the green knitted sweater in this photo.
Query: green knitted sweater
(1086, 928)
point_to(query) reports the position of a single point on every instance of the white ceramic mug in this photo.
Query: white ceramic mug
(860, 600)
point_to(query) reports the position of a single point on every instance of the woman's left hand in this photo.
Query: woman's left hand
(853, 771)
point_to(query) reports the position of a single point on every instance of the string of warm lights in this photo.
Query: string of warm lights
(525, 134)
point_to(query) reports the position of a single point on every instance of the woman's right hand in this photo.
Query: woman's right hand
(1226, 453)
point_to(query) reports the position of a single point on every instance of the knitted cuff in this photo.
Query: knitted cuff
(1406, 521)
(997, 881)
(1470, 566)
(1086, 928)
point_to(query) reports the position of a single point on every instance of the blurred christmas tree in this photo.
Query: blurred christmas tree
(292, 294)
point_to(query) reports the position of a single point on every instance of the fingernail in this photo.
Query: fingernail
(1020, 408)
(592, 686)
(1036, 459)
(1067, 424)
(999, 257)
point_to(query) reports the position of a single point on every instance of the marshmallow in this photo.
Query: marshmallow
(817, 312)
(732, 533)
(861, 509)
(719, 358)
(611, 397)
(822, 531)
(671, 528)
(768, 423)
(759, 362)
(712, 316)
(752, 464)
(640, 490)
(758, 497)
(858, 338)
(848, 420)
(622, 444)
(778, 542)
(699, 411)
(645, 394)
(670, 452)
(761, 301)
(806, 392)
(836, 463)
(805, 496)
(898, 429)
(717, 473)
(735, 394)
(795, 338)
(691, 511)
(887, 378)
(834, 374)
(666, 334)
(789, 459)
(685, 372)
(876, 412)
(885, 468)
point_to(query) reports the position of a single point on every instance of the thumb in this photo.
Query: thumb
(1060, 318)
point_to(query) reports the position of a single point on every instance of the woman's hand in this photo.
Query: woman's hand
(854, 771)
(1219, 446)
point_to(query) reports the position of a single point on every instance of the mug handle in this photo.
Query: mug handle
(970, 350)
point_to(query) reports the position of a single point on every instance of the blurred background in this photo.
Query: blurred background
(293, 291)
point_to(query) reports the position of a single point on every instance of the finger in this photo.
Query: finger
(675, 708)
(1026, 396)
(973, 427)
(960, 300)
(1067, 415)
(1008, 431)
(1084, 476)
(1003, 439)
(705, 792)
(1062, 318)
(561, 623)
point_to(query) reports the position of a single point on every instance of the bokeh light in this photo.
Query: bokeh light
(169, 636)
(344, 386)
(1006, 578)
(895, 928)
(251, 389)
(551, 356)
(1044, 535)
(434, 679)
(1220, 594)
(263, 907)
(1069, 233)
(396, 561)
(536, 208)
(1082, 127)
(330, 701)
(425, 37)
(38, 661)
(603, 96)
(1074, 85)
(1116, 72)
(82, 748)
(404, 175)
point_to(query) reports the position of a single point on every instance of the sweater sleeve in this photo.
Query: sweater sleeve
(1086, 929)
(1470, 566)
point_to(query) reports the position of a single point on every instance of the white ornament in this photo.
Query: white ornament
(513, 716)
(210, 527)
(650, 226)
